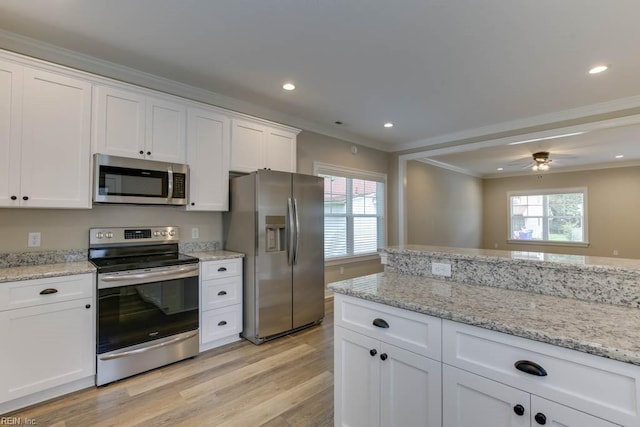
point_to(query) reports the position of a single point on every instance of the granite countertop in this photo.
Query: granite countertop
(215, 255)
(541, 258)
(41, 271)
(601, 329)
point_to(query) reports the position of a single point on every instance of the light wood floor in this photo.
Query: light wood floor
(285, 382)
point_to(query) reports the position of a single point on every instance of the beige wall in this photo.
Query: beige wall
(316, 147)
(613, 197)
(443, 208)
(68, 229)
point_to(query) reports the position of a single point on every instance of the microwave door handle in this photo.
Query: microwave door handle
(170, 178)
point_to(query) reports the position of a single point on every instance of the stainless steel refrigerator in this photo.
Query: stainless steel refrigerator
(277, 220)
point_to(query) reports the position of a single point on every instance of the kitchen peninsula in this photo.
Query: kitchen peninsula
(484, 333)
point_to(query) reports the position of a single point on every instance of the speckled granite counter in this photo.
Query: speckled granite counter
(215, 255)
(597, 279)
(27, 272)
(600, 329)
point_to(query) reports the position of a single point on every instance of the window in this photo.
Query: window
(555, 216)
(353, 211)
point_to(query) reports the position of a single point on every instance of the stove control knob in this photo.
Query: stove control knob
(108, 235)
(172, 233)
(164, 233)
(99, 235)
(156, 233)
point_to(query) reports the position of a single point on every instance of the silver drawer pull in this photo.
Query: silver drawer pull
(48, 291)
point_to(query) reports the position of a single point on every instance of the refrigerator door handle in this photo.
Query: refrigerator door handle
(290, 232)
(297, 231)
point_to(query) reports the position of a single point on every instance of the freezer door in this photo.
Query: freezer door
(273, 272)
(308, 265)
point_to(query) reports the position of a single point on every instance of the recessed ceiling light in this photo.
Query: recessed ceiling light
(619, 156)
(388, 125)
(500, 169)
(598, 69)
(288, 86)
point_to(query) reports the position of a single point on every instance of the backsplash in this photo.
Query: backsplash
(604, 280)
(18, 259)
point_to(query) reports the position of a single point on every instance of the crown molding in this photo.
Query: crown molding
(515, 125)
(87, 63)
(447, 166)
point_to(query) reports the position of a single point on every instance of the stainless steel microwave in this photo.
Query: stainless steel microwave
(139, 181)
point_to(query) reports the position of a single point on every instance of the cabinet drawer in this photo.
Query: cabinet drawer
(34, 292)
(218, 293)
(221, 323)
(412, 331)
(596, 385)
(220, 269)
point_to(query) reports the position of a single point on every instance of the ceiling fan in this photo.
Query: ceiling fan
(541, 161)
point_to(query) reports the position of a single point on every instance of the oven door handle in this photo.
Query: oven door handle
(151, 347)
(147, 276)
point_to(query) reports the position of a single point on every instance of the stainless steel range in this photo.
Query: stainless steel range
(147, 311)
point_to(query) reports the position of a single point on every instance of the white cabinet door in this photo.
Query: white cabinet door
(470, 400)
(55, 150)
(546, 412)
(247, 146)
(208, 140)
(165, 133)
(411, 393)
(357, 379)
(10, 132)
(281, 150)
(119, 122)
(46, 346)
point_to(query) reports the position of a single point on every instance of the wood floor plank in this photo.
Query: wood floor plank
(287, 382)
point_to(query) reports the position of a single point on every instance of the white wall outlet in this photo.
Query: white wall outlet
(615, 252)
(34, 239)
(441, 269)
(195, 233)
(341, 270)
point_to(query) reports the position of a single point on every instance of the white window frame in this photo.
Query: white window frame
(320, 168)
(545, 192)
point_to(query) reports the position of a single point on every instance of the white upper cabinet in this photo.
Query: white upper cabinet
(281, 150)
(255, 145)
(45, 125)
(129, 123)
(10, 132)
(208, 157)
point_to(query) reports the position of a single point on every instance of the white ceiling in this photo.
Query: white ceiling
(441, 70)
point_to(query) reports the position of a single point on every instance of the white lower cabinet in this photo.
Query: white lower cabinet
(220, 302)
(377, 383)
(47, 330)
(395, 367)
(470, 400)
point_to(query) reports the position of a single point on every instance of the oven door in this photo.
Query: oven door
(139, 306)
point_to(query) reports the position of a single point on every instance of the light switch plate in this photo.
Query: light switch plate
(34, 239)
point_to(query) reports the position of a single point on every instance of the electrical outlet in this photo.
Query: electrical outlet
(341, 270)
(615, 252)
(195, 233)
(441, 269)
(34, 239)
